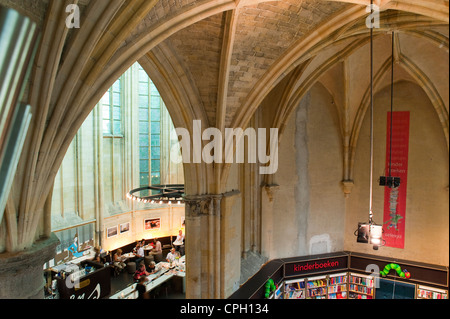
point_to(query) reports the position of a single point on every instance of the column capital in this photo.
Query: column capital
(206, 204)
(197, 205)
(347, 187)
(270, 189)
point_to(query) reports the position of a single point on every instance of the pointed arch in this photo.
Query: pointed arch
(183, 103)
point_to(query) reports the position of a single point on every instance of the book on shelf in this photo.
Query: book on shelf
(338, 280)
(361, 280)
(317, 283)
(431, 293)
(339, 295)
(354, 295)
(361, 289)
(294, 289)
(313, 292)
(295, 294)
(337, 288)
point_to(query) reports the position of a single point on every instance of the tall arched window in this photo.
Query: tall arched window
(111, 155)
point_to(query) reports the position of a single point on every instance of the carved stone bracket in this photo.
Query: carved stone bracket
(197, 205)
(270, 190)
(347, 187)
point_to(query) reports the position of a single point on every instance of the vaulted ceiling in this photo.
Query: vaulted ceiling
(216, 60)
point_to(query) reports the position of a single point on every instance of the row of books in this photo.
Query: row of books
(337, 288)
(317, 292)
(340, 295)
(361, 289)
(426, 294)
(317, 283)
(354, 295)
(295, 286)
(338, 280)
(361, 281)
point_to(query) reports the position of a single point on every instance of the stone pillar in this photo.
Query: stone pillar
(22, 275)
(197, 210)
(230, 243)
(267, 195)
(207, 258)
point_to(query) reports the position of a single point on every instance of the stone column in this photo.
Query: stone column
(22, 275)
(197, 210)
(207, 260)
(267, 196)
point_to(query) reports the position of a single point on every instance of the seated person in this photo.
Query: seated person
(140, 254)
(97, 257)
(157, 247)
(118, 260)
(138, 244)
(153, 267)
(171, 255)
(141, 271)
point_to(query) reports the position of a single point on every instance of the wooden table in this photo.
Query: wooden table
(154, 280)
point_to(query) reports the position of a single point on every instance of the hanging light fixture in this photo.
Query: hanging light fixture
(160, 194)
(391, 181)
(370, 232)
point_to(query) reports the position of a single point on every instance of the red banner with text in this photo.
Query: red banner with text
(395, 198)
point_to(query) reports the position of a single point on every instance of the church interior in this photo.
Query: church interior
(100, 100)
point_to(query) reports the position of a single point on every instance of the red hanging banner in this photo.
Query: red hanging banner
(395, 198)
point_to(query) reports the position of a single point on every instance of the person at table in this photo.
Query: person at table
(118, 260)
(171, 255)
(138, 244)
(157, 247)
(141, 271)
(179, 241)
(97, 256)
(153, 267)
(141, 289)
(139, 254)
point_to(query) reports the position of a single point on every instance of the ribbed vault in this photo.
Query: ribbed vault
(211, 60)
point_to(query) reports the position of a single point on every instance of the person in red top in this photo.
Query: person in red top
(141, 271)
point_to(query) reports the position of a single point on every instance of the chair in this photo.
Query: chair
(148, 260)
(131, 267)
(158, 257)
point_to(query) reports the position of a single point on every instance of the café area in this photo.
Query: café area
(98, 274)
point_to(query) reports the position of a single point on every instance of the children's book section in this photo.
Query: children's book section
(335, 286)
(348, 276)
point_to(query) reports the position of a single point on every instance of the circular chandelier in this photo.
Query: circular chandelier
(158, 194)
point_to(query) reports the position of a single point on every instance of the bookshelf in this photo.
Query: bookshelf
(344, 286)
(278, 292)
(320, 287)
(317, 287)
(424, 292)
(347, 277)
(337, 286)
(360, 286)
(294, 289)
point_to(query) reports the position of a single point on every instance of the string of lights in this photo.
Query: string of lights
(158, 194)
